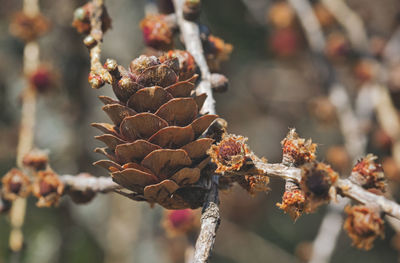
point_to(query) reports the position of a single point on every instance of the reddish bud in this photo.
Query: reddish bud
(296, 150)
(180, 222)
(369, 174)
(156, 32)
(82, 16)
(284, 42)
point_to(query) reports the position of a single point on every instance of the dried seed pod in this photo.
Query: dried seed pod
(36, 160)
(293, 203)
(180, 222)
(47, 188)
(216, 51)
(369, 174)
(156, 145)
(230, 153)
(157, 32)
(82, 16)
(363, 225)
(27, 27)
(281, 15)
(316, 182)
(15, 184)
(296, 150)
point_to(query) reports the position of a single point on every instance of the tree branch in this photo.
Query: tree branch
(191, 37)
(210, 221)
(85, 182)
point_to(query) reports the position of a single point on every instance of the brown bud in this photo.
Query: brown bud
(296, 150)
(191, 9)
(15, 184)
(369, 174)
(363, 225)
(337, 45)
(281, 15)
(293, 203)
(322, 109)
(338, 157)
(36, 160)
(230, 153)
(27, 27)
(219, 82)
(82, 17)
(323, 15)
(96, 81)
(216, 51)
(157, 32)
(316, 182)
(47, 188)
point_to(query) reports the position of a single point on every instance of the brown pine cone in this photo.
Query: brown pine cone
(155, 146)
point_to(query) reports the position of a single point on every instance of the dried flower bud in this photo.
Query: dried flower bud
(42, 79)
(81, 197)
(219, 82)
(96, 81)
(316, 182)
(191, 9)
(296, 150)
(293, 203)
(187, 65)
(82, 16)
(369, 174)
(337, 45)
(323, 110)
(180, 222)
(217, 51)
(230, 153)
(47, 188)
(284, 42)
(281, 15)
(15, 184)
(157, 32)
(363, 225)
(27, 27)
(324, 17)
(36, 160)
(253, 183)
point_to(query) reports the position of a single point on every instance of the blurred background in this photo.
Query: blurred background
(275, 84)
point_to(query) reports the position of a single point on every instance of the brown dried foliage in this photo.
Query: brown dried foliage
(47, 188)
(363, 225)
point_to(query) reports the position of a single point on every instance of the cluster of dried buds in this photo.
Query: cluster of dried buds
(37, 179)
(158, 33)
(232, 154)
(317, 187)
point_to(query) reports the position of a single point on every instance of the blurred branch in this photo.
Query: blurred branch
(85, 182)
(27, 126)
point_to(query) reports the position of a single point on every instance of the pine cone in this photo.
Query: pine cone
(155, 146)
